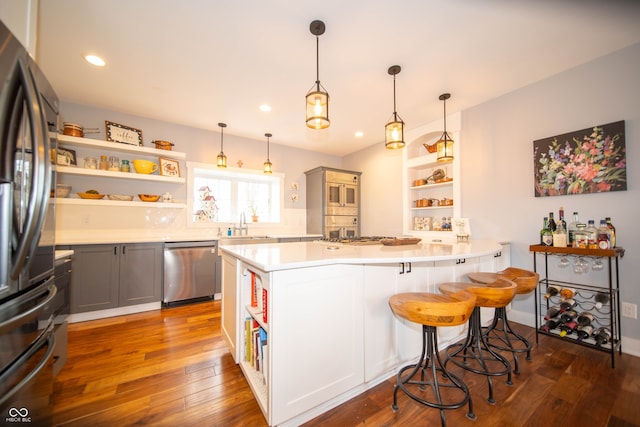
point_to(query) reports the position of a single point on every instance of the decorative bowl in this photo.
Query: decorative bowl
(145, 166)
(91, 196)
(62, 190)
(120, 197)
(149, 197)
(163, 145)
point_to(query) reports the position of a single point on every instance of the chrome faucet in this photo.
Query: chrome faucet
(241, 226)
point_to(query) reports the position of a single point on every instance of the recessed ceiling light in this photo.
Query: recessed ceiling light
(359, 134)
(95, 60)
(265, 107)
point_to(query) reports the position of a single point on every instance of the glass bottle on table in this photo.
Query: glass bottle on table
(601, 298)
(592, 235)
(546, 238)
(571, 229)
(580, 237)
(561, 218)
(567, 328)
(613, 231)
(560, 237)
(567, 293)
(602, 336)
(550, 324)
(604, 235)
(584, 331)
(552, 223)
(552, 291)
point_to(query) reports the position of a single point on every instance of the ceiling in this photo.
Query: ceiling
(200, 62)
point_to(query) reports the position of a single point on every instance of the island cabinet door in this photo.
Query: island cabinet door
(230, 305)
(315, 337)
(390, 341)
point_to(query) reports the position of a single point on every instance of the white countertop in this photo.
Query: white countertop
(285, 256)
(146, 236)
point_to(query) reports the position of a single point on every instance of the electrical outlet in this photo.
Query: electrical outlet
(629, 310)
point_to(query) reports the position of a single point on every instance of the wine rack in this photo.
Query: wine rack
(602, 300)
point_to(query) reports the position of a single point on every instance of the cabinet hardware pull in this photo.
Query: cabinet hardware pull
(402, 268)
(498, 255)
(115, 250)
(408, 267)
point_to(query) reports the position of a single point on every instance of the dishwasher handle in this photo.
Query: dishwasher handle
(202, 244)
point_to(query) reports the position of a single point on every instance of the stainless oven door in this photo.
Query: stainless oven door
(342, 199)
(338, 227)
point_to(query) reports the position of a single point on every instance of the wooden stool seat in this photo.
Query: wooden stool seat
(474, 353)
(495, 294)
(434, 309)
(500, 334)
(431, 311)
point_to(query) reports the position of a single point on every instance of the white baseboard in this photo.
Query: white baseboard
(629, 345)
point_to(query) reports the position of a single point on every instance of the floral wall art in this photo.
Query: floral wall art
(591, 160)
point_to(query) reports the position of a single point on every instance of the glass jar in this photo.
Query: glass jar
(125, 167)
(90, 163)
(103, 163)
(114, 164)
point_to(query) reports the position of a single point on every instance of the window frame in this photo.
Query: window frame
(192, 168)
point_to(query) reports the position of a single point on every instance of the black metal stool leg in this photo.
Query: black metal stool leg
(500, 335)
(429, 366)
(475, 355)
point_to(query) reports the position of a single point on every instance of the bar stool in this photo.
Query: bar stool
(499, 334)
(474, 353)
(431, 311)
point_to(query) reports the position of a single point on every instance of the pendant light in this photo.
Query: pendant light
(445, 143)
(222, 159)
(317, 98)
(268, 167)
(394, 129)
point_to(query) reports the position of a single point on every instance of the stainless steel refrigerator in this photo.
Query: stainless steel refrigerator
(28, 111)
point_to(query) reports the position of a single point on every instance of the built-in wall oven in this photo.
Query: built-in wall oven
(338, 227)
(341, 193)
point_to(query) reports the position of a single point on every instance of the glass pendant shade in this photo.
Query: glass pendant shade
(445, 148)
(318, 107)
(445, 143)
(394, 129)
(268, 166)
(317, 99)
(222, 159)
(394, 133)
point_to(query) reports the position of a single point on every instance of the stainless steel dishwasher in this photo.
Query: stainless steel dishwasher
(189, 271)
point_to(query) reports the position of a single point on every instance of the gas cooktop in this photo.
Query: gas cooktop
(362, 240)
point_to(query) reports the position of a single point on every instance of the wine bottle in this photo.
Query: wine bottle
(552, 291)
(584, 331)
(546, 238)
(552, 223)
(567, 293)
(602, 336)
(550, 324)
(601, 298)
(613, 231)
(561, 220)
(552, 312)
(568, 304)
(568, 327)
(568, 316)
(585, 318)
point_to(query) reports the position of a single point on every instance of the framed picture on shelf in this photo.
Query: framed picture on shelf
(124, 134)
(65, 157)
(169, 167)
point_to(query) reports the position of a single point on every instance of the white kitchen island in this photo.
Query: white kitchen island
(328, 333)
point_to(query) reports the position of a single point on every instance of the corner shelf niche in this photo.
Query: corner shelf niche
(418, 163)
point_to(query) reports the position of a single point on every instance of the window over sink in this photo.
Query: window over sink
(222, 195)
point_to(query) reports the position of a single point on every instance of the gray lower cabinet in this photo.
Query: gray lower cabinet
(116, 275)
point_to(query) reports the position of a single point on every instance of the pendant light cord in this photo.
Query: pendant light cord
(318, 62)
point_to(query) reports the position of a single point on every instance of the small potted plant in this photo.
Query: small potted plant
(254, 213)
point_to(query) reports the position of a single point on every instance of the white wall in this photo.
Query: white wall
(203, 146)
(497, 165)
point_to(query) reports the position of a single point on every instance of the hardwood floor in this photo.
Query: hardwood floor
(171, 367)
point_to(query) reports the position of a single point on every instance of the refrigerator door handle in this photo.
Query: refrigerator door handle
(11, 323)
(49, 339)
(41, 172)
(6, 191)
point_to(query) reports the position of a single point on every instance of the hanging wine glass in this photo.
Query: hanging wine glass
(577, 266)
(597, 264)
(564, 261)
